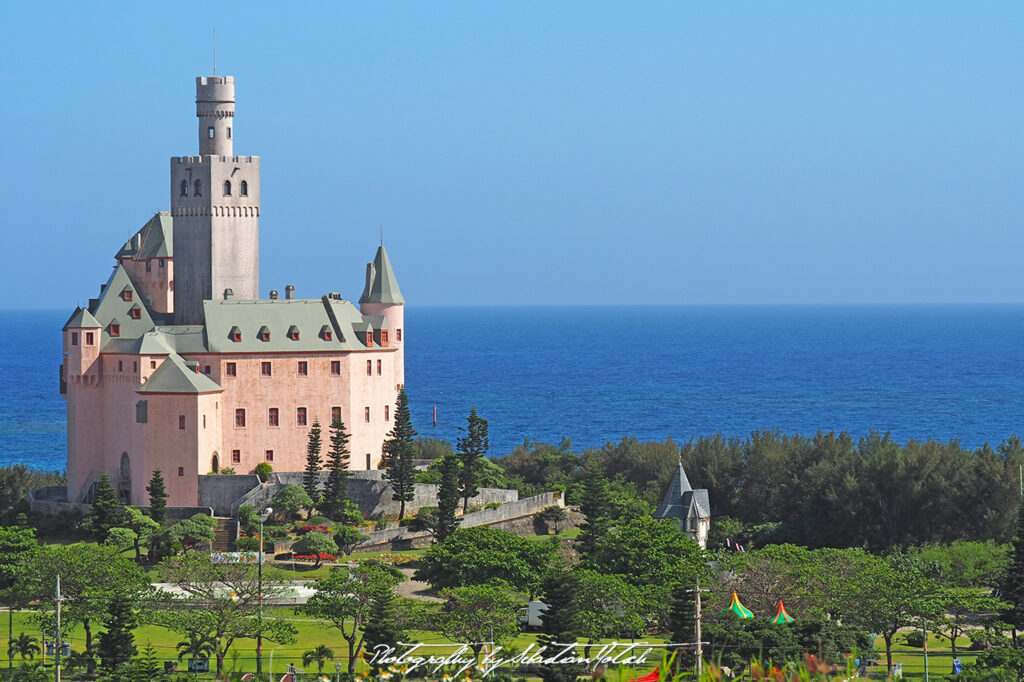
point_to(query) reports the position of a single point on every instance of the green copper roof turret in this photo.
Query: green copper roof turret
(381, 285)
(81, 319)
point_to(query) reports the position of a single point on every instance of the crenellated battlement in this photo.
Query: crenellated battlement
(221, 158)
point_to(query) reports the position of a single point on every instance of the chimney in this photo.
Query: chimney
(371, 273)
(228, 294)
(289, 292)
(273, 294)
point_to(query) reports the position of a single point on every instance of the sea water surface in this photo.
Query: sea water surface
(594, 374)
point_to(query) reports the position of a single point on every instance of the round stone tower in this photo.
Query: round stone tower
(215, 107)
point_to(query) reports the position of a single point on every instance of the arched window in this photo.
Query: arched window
(227, 188)
(244, 189)
(216, 463)
(184, 188)
(197, 188)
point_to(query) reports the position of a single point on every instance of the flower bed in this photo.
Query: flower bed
(313, 557)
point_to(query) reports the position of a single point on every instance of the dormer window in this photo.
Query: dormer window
(227, 188)
(126, 294)
(235, 334)
(325, 333)
(263, 334)
(369, 338)
(135, 313)
(293, 333)
(114, 329)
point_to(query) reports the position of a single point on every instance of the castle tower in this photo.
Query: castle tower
(215, 204)
(381, 296)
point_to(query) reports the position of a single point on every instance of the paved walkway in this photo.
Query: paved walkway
(414, 589)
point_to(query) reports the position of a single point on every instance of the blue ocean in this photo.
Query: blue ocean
(595, 374)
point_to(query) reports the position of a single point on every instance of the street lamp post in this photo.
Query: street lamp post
(259, 588)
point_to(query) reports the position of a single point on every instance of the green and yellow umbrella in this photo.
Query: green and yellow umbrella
(739, 609)
(781, 616)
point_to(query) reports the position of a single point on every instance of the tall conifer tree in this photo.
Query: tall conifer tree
(399, 452)
(382, 625)
(336, 490)
(471, 450)
(682, 622)
(557, 625)
(117, 644)
(157, 497)
(107, 511)
(596, 505)
(447, 497)
(1012, 588)
(311, 477)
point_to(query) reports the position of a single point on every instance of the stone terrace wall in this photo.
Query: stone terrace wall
(219, 491)
(371, 492)
(51, 500)
(506, 514)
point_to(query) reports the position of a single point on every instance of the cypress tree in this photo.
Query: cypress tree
(117, 644)
(157, 497)
(471, 450)
(1012, 587)
(107, 511)
(382, 626)
(311, 477)
(336, 490)
(399, 451)
(682, 624)
(556, 625)
(596, 506)
(447, 498)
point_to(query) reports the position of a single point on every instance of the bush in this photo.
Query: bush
(309, 528)
(274, 533)
(263, 470)
(318, 521)
(249, 519)
(492, 505)
(290, 501)
(383, 523)
(122, 538)
(347, 538)
(914, 638)
(228, 471)
(315, 545)
(248, 544)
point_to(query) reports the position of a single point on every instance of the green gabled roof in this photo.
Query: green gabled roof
(154, 240)
(81, 319)
(111, 306)
(174, 376)
(382, 287)
(151, 343)
(278, 316)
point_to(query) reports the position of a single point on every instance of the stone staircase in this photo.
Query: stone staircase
(224, 535)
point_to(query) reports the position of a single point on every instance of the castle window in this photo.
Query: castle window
(335, 415)
(269, 455)
(265, 369)
(74, 342)
(387, 413)
(293, 333)
(120, 365)
(160, 263)
(383, 337)
(210, 132)
(369, 338)
(142, 412)
(272, 417)
(204, 421)
(335, 366)
(152, 364)
(170, 285)
(149, 266)
(227, 188)
(135, 366)
(184, 188)
(378, 367)
(243, 189)
(300, 416)
(367, 460)
(236, 456)
(230, 369)
(181, 422)
(206, 370)
(126, 294)
(369, 368)
(240, 418)
(229, 132)
(135, 313)
(197, 188)
(399, 332)
(115, 330)
(264, 334)
(181, 471)
(303, 368)
(88, 338)
(366, 414)
(235, 334)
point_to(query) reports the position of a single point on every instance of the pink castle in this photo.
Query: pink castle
(178, 365)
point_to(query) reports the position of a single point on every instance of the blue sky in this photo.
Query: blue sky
(538, 153)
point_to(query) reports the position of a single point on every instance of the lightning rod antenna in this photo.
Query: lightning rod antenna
(214, 52)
